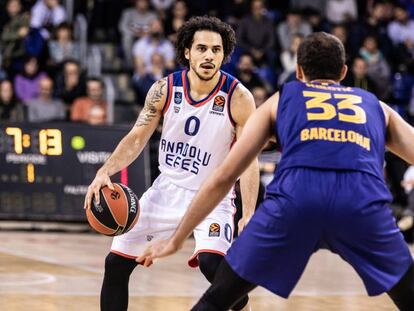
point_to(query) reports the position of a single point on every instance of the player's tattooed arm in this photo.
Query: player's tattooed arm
(155, 97)
(134, 142)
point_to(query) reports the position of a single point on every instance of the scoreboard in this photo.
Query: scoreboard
(45, 169)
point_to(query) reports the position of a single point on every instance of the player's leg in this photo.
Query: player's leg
(161, 200)
(213, 238)
(275, 246)
(114, 292)
(403, 292)
(363, 231)
(226, 291)
(209, 264)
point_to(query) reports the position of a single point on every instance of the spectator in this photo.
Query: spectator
(176, 19)
(316, 20)
(80, 110)
(14, 33)
(234, 11)
(388, 10)
(70, 84)
(97, 116)
(401, 30)
(63, 47)
(26, 84)
(376, 25)
(246, 72)
(288, 58)
(358, 77)
(340, 31)
(150, 44)
(142, 84)
(294, 24)
(401, 33)
(134, 24)
(341, 11)
(255, 33)
(378, 68)
(45, 108)
(46, 14)
(10, 109)
(162, 6)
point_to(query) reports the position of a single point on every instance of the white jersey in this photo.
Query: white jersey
(196, 135)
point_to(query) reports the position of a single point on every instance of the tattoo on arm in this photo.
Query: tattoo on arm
(149, 112)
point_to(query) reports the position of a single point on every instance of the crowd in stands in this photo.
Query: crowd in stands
(43, 78)
(37, 41)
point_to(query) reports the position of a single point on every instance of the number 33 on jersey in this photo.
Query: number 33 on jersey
(338, 120)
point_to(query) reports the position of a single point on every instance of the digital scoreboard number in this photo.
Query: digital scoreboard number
(45, 170)
(49, 140)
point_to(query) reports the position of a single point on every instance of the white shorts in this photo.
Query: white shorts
(162, 208)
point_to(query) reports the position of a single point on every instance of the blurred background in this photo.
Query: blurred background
(74, 75)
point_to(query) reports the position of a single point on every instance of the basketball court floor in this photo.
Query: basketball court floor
(61, 271)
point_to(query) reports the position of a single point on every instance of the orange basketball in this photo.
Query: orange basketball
(117, 212)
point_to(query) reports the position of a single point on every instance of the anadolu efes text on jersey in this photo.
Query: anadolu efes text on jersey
(197, 135)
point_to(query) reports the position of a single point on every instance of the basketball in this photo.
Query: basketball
(117, 212)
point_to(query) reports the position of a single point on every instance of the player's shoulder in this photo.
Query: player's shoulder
(176, 78)
(365, 93)
(157, 94)
(368, 98)
(233, 86)
(159, 85)
(230, 78)
(241, 94)
(242, 104)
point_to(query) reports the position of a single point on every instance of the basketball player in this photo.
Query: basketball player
(204, 110)
(328, 190)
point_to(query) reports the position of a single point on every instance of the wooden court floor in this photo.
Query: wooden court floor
(60, 271)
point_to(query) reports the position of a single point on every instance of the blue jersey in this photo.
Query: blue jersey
(329, 126)
(329, 192)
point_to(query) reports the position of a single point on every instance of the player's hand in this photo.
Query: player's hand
(158, 249)
(101, 179)
(243, 222)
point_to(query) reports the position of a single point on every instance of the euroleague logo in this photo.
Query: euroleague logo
(214, 229)
(218, 104)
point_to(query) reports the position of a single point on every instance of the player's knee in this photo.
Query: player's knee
(208, 263)
(403, 292)
(118, 267)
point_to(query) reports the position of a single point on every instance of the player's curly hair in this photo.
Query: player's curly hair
(321, 56)
(185, 36)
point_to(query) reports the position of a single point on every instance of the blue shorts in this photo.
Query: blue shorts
(305, 209)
